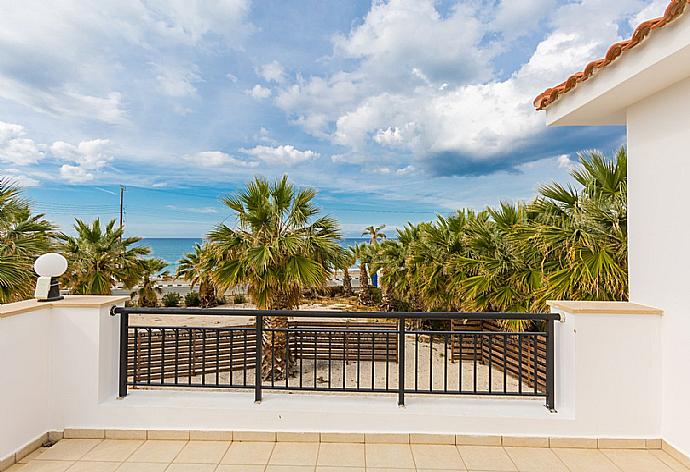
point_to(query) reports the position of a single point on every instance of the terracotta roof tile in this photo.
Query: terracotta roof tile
(674, 10)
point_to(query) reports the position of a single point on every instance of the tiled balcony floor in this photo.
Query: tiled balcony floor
(96, 455)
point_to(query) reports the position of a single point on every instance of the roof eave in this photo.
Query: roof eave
(604, 98)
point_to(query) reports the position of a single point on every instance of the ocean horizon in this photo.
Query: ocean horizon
(171, 250)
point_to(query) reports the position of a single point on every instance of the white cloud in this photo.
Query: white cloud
(75, 174)
(20, 177)
(86, 158)
(389, 136)
(233, 78)
(177, 80)
(419, 85)
(516, 19)
(564, 162)
(15, 148)
(259, 92)
(285, 154)
(272, 72)
(655, 9)
(93, 61)
(217, 159)
(390, 171)
(264, 136)
(406, 170)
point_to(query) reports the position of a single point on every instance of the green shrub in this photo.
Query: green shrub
(239, 299)
(375, 293)
(171, 299)
(192, 299)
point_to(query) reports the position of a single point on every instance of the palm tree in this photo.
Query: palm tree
(375, 233)
(196, 268)
(100, 257)
(570, 242)
(23, 237)
(347, 260)
(280, 247)
(148, 292)
(582, 235)
(363, 255)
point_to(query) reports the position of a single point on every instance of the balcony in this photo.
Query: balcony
(70, 375)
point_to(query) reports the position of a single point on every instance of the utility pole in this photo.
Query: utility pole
(122, 201)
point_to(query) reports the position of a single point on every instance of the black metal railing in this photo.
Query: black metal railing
(374, 352)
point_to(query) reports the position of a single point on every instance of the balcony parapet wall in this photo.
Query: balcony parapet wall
(60, 369)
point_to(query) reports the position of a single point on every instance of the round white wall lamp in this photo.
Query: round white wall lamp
(49, 267)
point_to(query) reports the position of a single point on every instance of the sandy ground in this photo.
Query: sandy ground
(431, 370)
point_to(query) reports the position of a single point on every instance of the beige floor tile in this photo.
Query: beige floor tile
(70, 449)
(294, 453)
(46, 466)
(191, 468)
(389, 455)
(163, 451)
(535, 459)
(486, 458)
(636, 460)
(387, 469)
(437, 457)
(585, 460)
(252, 453)
(202, 452)
(440, 470)
(240, 468)
(16, 468)
(329, 468)
(141, 467)
(113, 450)
(290, 468)
(664, 457)
(91, 466)
(341, 455)
(34, 455)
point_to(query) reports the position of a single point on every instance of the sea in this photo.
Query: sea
(171, 250)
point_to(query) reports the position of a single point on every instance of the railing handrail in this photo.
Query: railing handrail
(437, 315)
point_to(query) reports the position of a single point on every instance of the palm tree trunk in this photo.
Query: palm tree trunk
(207, 294)
(277, 362)
(386, 293)
(347, 282)
(364, 292)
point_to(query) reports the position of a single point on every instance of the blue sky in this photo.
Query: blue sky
(394, 110)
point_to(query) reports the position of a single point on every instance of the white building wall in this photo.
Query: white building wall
(659, 233)
(27, 403)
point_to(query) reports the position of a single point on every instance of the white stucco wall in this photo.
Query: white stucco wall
(26, 400)
(659, 232)
(60, 367)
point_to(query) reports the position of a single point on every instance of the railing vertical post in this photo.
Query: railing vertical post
(259, 357)
(401, 362)
(550, 363)
(124, 338)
